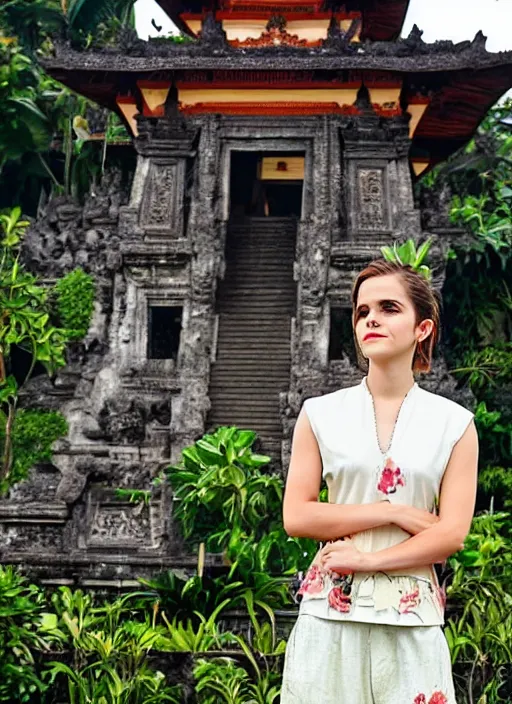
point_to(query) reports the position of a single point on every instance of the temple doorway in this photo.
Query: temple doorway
(266, 184)
(257, 298)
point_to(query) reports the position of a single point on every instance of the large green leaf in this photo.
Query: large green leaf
(87, 14)
(34, 120)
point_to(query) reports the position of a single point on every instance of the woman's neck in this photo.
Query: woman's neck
(389, 383)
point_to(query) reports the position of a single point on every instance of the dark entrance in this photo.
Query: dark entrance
(266, 184)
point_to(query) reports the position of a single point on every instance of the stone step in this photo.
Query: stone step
(241, 423)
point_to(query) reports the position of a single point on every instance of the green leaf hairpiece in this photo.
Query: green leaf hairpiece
(406, 254)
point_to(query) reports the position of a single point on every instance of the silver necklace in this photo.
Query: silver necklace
(385, 453)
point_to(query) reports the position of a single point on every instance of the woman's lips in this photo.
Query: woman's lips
(371, 336)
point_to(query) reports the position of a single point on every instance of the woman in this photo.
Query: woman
(369, 625)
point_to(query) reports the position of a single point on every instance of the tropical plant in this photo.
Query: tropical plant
(186, 638)
(479, 636)
(34, 431)
(220, 680)
(265, 687)
(40, 151)
(225, 500)
(75, 294)
(25, 324)
(31, 21)
(110, 652)
(21, 610)
(489, 218)
(495, 436)
(24, 127)
(98, 23)
(408, 254)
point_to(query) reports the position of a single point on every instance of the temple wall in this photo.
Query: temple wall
(164, 245)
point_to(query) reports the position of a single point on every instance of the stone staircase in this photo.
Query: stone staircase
(255, 303)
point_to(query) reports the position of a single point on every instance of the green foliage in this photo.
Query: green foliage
(479, 637)
(497, 481)
(25, 324)
(21, 607)
(23, 127)
(38, 147)
(75, 294)
(34, 432)
(172, 39)
(407, 254)
(222, 680)
(495, 436)
(110, 650)
(184, 596)
(88, 14)
(25, 320)
(225, 500)
(30, 21)
(187, 638)
(489, 218)
(488, 366)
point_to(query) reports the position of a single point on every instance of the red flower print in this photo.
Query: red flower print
(409, 601)
(441, 596)
(313, 582)
(339, 601)
(420, 699)
(438, 698)
(390, 478)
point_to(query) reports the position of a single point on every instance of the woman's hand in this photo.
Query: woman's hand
(413, 520)
(342, 557)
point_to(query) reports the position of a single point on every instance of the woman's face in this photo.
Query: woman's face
(385, 309)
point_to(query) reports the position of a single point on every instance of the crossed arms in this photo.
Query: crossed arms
(433, 538)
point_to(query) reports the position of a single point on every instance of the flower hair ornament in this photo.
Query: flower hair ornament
(407, 254)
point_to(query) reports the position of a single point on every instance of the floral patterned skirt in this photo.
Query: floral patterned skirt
(336, 662)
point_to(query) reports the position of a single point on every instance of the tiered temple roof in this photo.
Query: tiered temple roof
(276, 64)
(382, 20)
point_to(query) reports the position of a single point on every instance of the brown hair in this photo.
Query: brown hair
(423, 297)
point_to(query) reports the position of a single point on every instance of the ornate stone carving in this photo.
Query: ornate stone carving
(161, 199)
(119, 524)
(212, 42)
(212, 38)
(338, 41)
(371, 211)
(275, 35)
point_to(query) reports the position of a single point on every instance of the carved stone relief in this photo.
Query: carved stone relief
(371, 213)
(162, 205)
(125, 525)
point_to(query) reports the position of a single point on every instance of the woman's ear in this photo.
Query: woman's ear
(425, 328)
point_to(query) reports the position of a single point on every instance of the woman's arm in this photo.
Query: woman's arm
(303, 515)
(456, 508)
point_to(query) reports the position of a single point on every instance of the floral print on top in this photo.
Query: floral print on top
(409, 601)
(390, 478)
(436, 698)
(404, 596)
(356, 472)
(338, 587)
(320, 583)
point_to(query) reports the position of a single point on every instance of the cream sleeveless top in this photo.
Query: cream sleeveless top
(355, 471)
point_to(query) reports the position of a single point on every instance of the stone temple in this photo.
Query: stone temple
(273, 155)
